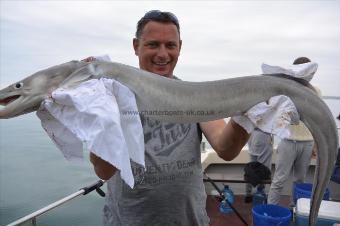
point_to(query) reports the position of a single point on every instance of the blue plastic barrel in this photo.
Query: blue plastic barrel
(271, 215)
(304, 190)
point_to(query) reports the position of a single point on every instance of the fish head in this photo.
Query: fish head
(26, 95)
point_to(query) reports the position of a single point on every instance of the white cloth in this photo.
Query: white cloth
(275, 116)
(272, 117)
(94, 113)
(304, 71)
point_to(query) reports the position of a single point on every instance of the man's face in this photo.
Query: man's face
(158, 48)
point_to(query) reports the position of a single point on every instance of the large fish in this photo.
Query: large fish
(179, 101)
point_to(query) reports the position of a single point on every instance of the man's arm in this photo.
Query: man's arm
(103, 169)
(227, 139)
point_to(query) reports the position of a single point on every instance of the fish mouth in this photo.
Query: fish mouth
(8, 100)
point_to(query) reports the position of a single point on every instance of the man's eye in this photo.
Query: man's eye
(171, 45)
(152, 45)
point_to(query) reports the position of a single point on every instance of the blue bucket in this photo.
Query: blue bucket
(304, 190)
(271, 215)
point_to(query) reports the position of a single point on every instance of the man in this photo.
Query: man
(293, 154)
(260, 148)
(171, 190)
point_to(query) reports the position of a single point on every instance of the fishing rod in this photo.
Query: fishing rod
(224, 198)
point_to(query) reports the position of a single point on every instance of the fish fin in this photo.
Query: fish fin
(81, 75)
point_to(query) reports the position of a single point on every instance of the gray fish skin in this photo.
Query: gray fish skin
(193, 102)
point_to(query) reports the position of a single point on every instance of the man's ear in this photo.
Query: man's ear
(180, 45)
(135, 43)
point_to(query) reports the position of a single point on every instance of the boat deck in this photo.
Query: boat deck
(232, 174)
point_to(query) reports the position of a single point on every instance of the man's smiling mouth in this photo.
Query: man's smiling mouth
(160, 63)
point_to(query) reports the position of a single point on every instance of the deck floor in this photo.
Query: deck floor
(235, 171)
(231, 219)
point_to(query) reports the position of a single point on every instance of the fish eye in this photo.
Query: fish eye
(18, 85)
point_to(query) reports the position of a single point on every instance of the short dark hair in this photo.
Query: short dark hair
(301, 60)
(158, 16)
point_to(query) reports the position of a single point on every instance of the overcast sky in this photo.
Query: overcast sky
(221, 39)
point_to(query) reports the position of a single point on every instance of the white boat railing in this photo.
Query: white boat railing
(32, 218)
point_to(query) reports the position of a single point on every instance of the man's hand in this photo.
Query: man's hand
(103, 169)
(104, 58)
(314, 152)
(89, 59)
(272, 117)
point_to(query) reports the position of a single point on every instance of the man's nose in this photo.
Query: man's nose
(162, 51)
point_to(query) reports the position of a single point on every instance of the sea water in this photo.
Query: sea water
(34, 173)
